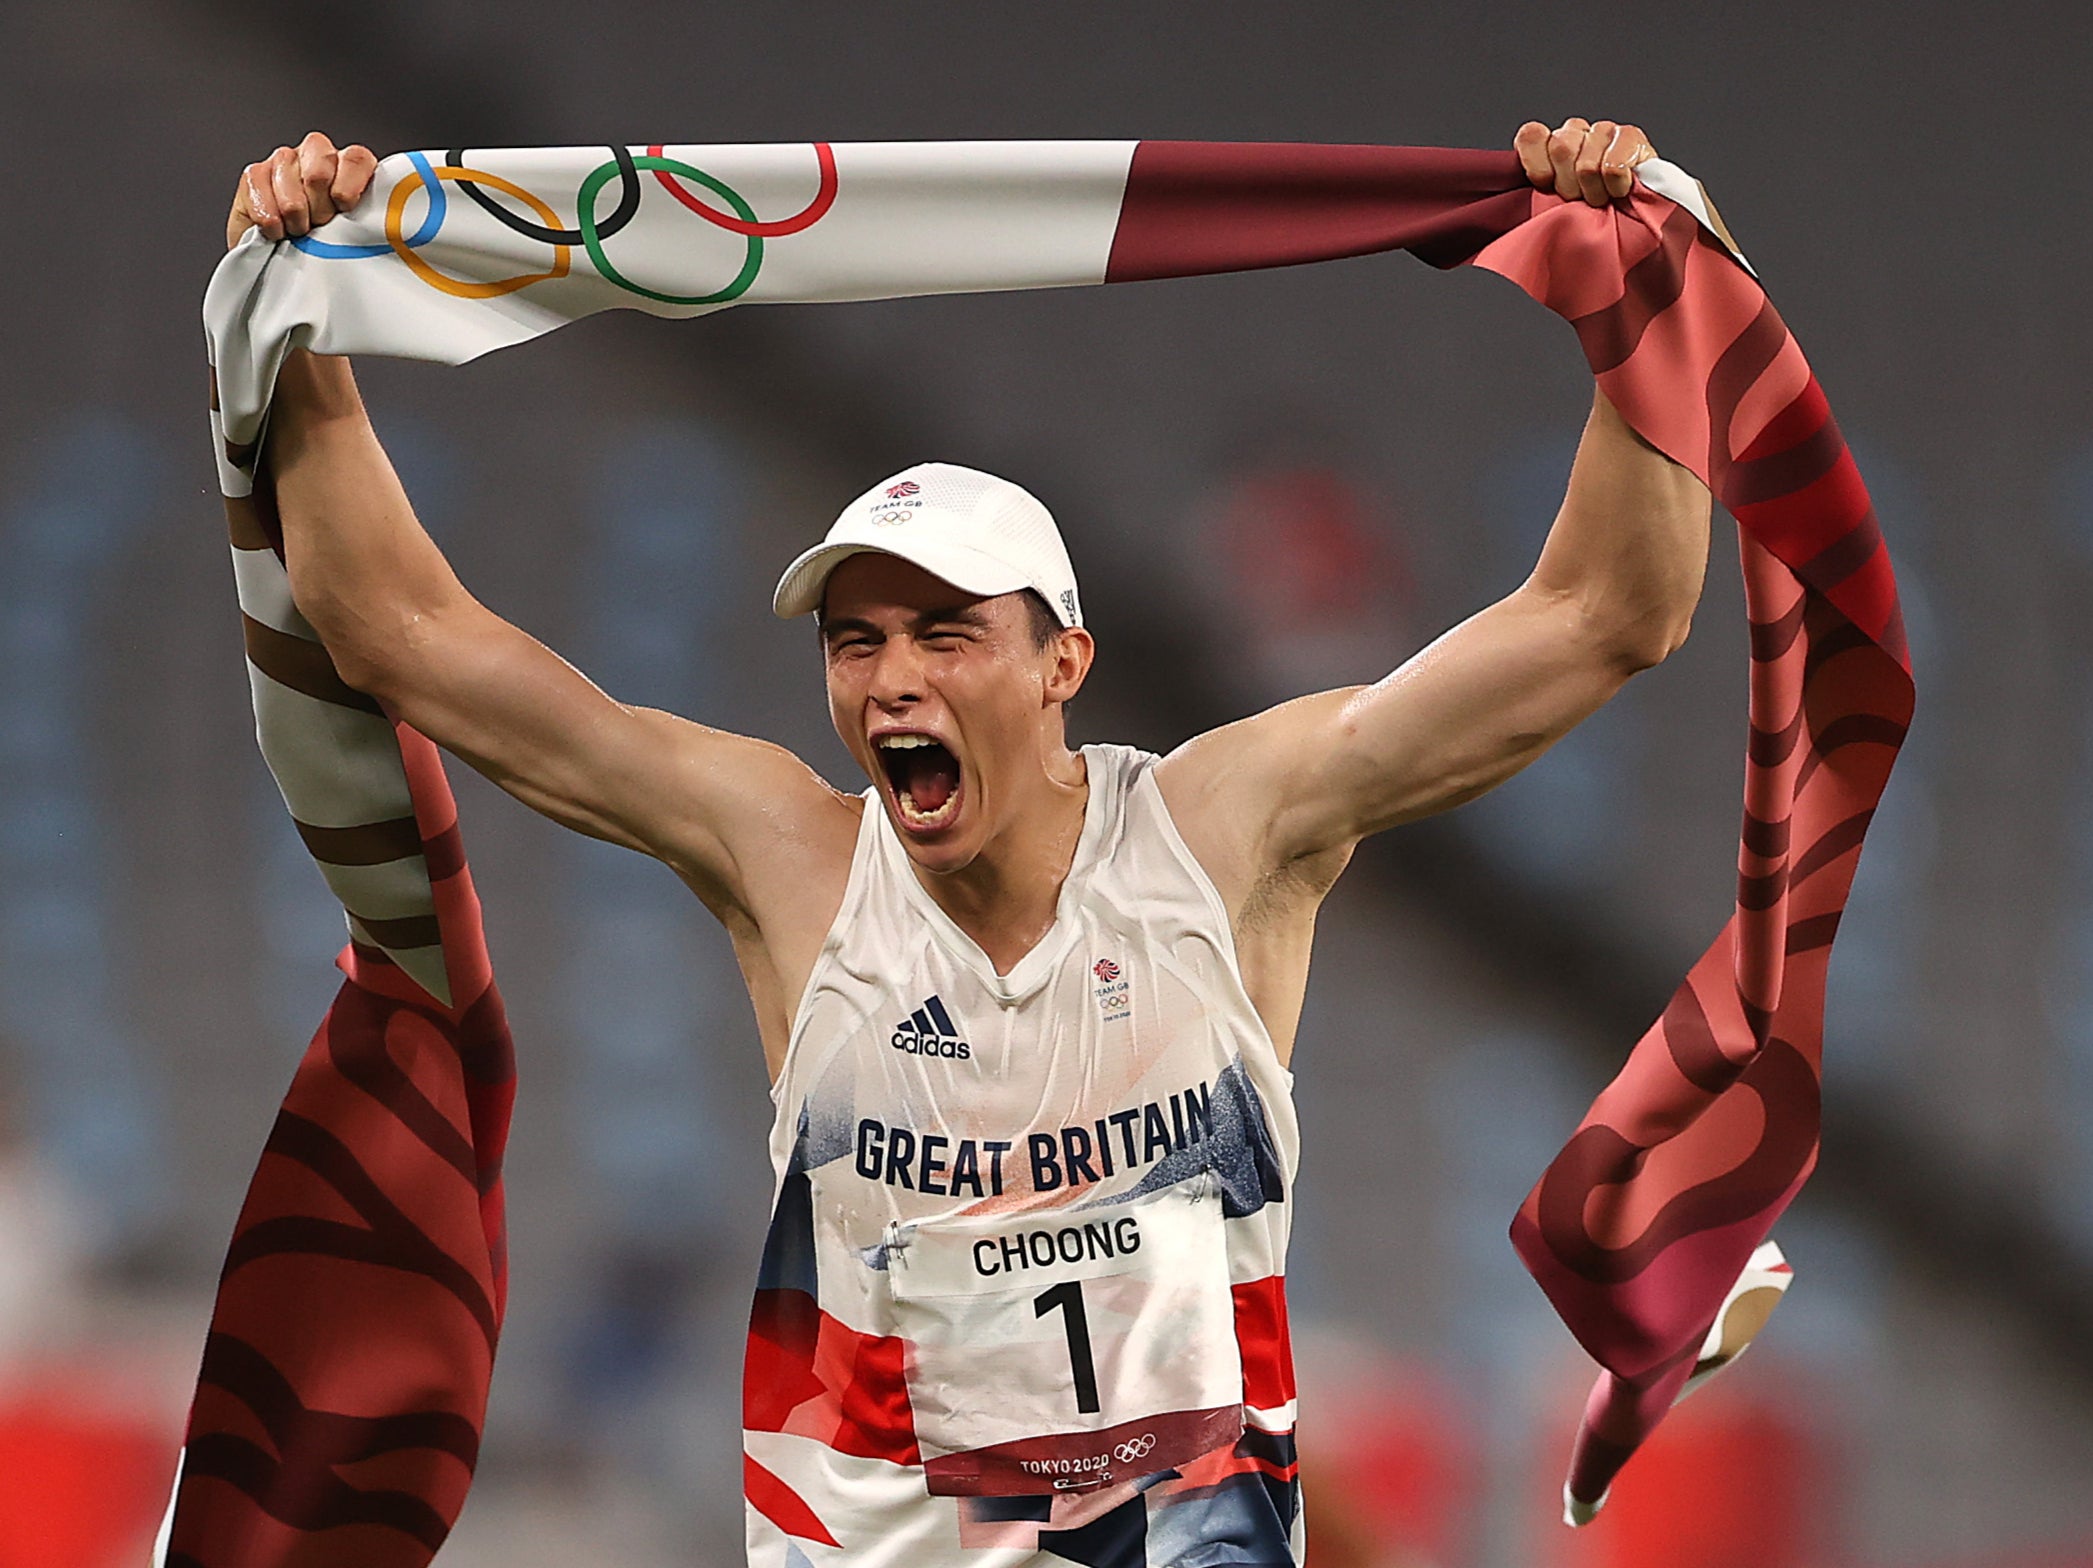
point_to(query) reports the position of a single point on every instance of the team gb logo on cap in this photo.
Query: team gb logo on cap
(898, 505)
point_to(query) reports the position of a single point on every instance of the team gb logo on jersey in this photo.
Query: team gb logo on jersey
(1114, 994)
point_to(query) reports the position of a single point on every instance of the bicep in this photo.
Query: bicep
(1459, 718)
(517, 712)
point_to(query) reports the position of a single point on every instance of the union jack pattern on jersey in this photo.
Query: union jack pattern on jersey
(967, 1255)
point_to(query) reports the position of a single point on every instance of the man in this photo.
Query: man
(1027, 1010)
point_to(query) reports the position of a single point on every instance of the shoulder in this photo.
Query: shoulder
(772, 860)
(1237, 775)
(1227, 791)
(746, 820)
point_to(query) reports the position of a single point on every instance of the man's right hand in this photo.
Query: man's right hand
(296, 189)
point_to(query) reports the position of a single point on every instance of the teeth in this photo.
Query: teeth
(910, 812)
(926, 818)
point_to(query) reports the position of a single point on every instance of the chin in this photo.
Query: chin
(949, 848)
(940, 856)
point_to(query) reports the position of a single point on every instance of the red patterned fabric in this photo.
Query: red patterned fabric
(338, 1409)
(1681, 1167)
(1683, 1164)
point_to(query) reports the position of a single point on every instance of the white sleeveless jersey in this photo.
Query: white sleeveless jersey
(1022, 1301)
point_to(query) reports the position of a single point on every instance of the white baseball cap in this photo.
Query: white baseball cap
(981, 534)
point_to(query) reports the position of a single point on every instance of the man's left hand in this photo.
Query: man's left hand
(1590, 159)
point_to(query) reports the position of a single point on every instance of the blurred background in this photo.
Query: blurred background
(1271, 483)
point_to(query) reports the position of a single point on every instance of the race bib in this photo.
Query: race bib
(1065, 1350)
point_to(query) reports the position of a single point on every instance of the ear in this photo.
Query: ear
(1071, 653)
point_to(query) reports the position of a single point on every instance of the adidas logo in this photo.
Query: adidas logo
(928, 1031)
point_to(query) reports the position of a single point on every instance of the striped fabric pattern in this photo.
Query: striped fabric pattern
(345, 1374)
(338, 1413)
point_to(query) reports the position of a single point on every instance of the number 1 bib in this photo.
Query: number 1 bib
(1063, 1350)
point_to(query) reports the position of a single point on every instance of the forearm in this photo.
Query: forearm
(1630, 546)
(363, 571)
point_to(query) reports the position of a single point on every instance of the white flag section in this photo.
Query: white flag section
(444, 261)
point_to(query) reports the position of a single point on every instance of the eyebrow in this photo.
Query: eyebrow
(834, 626)
(963, 614)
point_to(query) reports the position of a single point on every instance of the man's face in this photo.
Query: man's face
(945, 699)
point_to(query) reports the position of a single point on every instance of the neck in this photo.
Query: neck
(1006, 896)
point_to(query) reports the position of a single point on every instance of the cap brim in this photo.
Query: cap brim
(800, 589)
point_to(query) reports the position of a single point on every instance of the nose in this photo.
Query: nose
(897, 673)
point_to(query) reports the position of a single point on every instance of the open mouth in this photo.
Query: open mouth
(924, 777)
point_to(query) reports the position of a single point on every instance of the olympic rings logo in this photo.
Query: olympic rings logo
(425, 178)
(588, 230)
(1135, 1448)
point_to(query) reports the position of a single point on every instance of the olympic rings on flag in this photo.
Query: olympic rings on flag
(805, 218)
(587, 231)
(628, 204)
(424, 177)
(592, 237)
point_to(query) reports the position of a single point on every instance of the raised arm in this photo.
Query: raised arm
(400, 626)
(1612, 594)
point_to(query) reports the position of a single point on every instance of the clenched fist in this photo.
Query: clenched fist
(1592, 159)
(296, 189)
